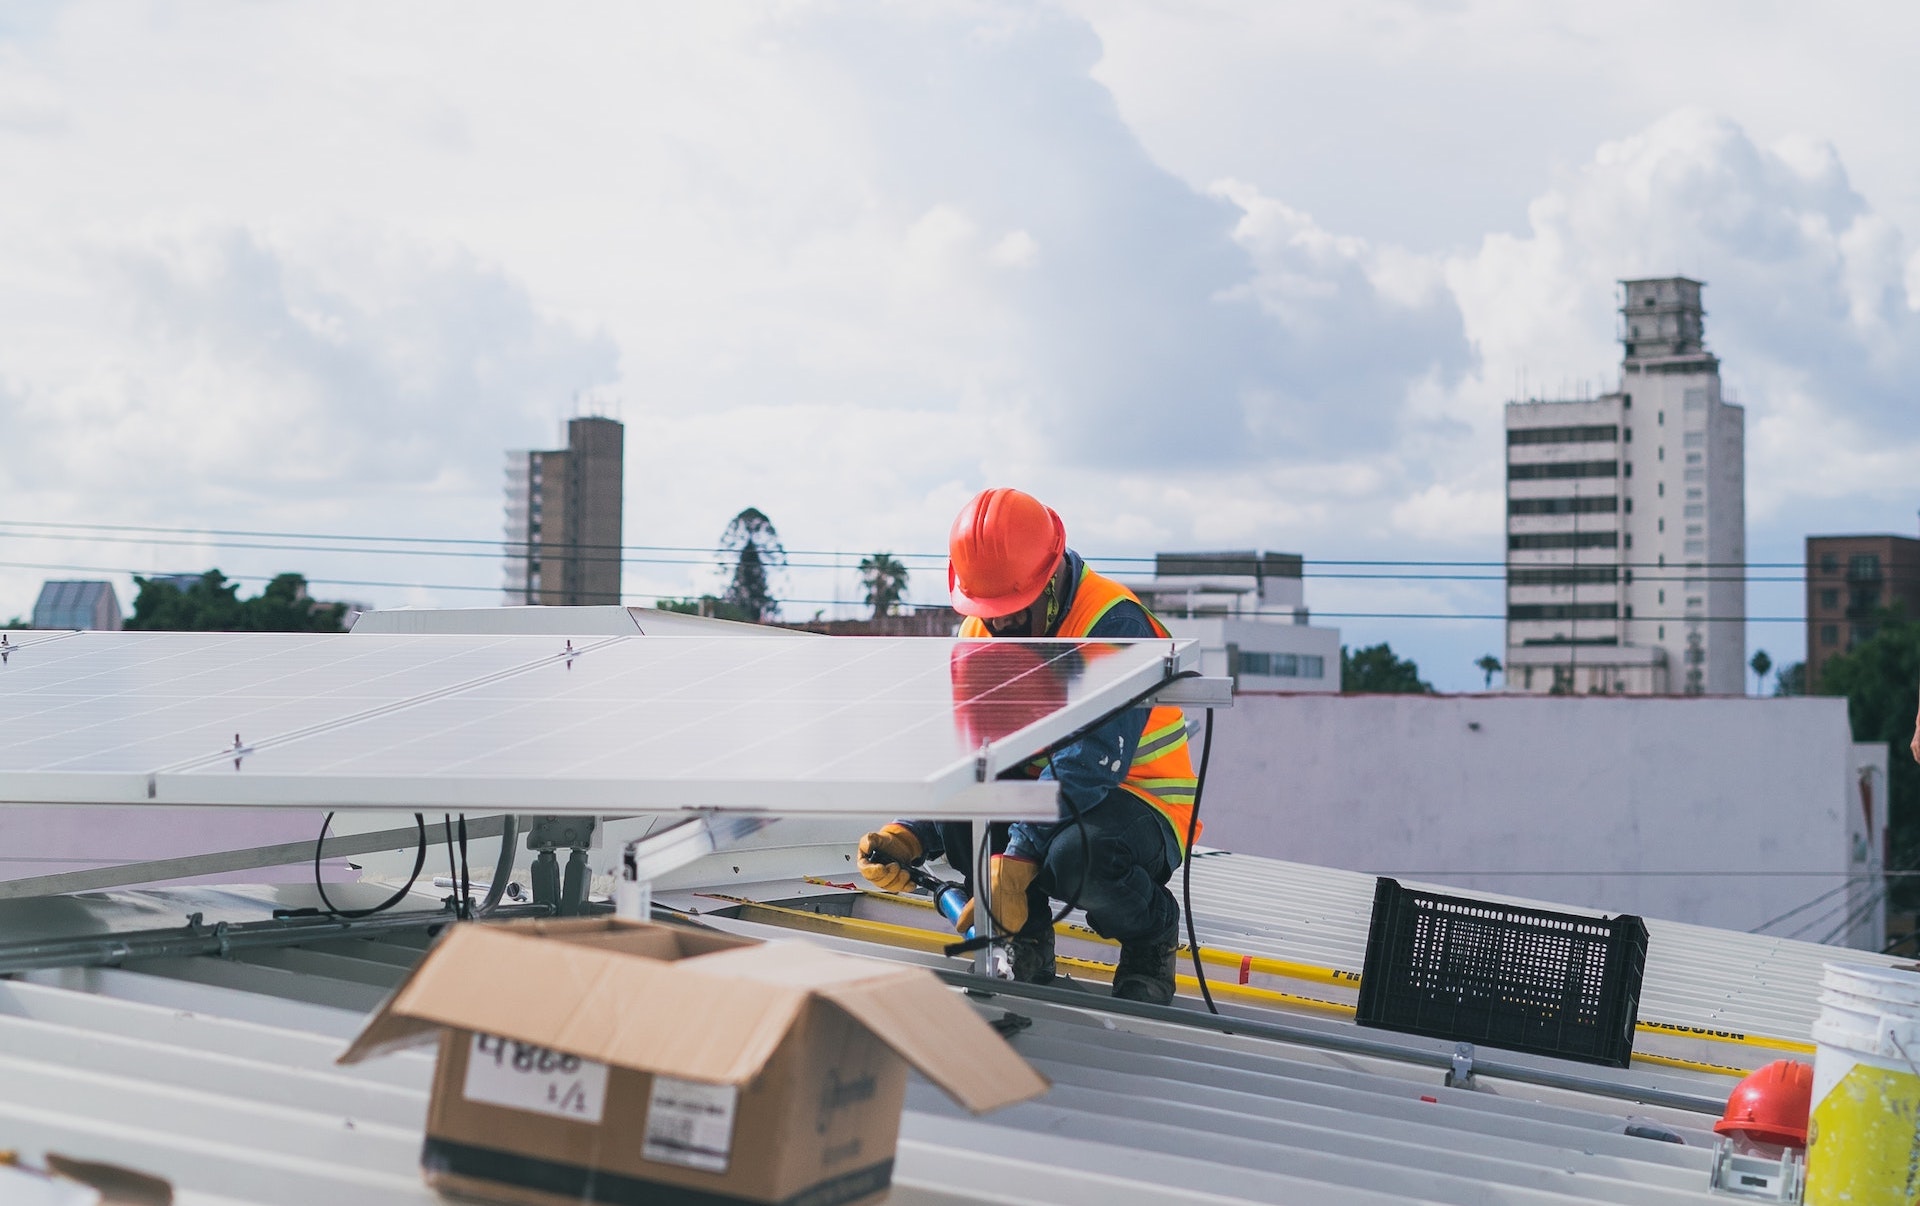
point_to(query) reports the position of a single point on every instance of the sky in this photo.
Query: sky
(1198, 274)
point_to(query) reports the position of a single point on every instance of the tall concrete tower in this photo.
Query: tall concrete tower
(1626, 520)
(564, 518)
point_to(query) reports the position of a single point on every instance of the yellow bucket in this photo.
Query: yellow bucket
(1863, 1139)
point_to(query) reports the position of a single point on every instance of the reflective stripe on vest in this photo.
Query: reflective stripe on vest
(1162, 769)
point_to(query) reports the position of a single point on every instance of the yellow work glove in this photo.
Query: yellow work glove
(1007, 884)
(885, 855)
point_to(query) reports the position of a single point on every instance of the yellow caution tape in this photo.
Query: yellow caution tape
(1250, 965)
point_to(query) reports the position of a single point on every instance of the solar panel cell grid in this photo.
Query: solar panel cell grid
(525, 722)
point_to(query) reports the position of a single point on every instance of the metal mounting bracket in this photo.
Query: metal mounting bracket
(1194, 691)
(1460, 1076)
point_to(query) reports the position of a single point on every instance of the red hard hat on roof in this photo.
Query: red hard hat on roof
(1003, 548)
(1772, 1104)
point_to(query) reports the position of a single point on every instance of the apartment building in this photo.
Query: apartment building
(1626, 519)
(1849, 579)
(564, 518)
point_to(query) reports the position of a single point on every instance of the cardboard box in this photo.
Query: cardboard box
(597, 1060)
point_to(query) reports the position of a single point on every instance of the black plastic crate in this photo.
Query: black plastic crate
(1524, 979)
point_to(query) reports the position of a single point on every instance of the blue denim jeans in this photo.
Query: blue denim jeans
(1114, 863)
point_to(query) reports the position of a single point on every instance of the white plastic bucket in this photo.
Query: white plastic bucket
(1863, 1139)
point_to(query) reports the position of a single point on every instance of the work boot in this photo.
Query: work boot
(1145, 972)
(1032, 956)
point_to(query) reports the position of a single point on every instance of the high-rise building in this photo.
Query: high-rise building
(563, 518)
(1626, 519)
(1849, 579)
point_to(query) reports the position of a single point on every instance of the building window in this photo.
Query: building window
(1662, 630)
(1662, 524)
(1694, 439)
(1283, 665)
(1829, 634)
(1694, 529)
(1593, 433)
(1696, 548)
(1694, 458)
(1663, 598)
(1829, 599)
(1696, 510)
(1560, 611)
(1564, 540)
(1629, 506)
(1660, 488)
(1829, 564)
(1660, 419)
(1599, 504)
(1660, 453)
(1863, 565)
(1521, 473)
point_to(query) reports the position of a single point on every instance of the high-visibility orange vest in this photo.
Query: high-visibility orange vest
(1162, 768)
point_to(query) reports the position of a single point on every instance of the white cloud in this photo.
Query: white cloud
(1253, 276)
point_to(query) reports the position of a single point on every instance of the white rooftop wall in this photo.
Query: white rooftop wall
(1721, 812)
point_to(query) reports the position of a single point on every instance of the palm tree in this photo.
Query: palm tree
(886, 582)
(1761, 663)
(1490, 666)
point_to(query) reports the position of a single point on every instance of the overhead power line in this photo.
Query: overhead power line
(152, 534)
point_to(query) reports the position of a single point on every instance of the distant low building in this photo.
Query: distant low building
(1247, 609)
(1849, 579)
(91, 605)
(914, 622)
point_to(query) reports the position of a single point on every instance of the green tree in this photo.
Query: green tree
(1488, 665)
(886, 582)
(1761, 663)
(1375, 669)
(1792, 680)
(213, 604)
(16, 622)
(1878, 677)
(757, 555)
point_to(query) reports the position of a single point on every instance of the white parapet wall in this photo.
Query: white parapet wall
(1715, 811)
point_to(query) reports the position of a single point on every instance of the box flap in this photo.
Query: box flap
(603, 1004)
(934, 1029)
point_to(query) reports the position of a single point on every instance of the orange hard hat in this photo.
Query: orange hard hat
(1772, 1104)
(1003, 548)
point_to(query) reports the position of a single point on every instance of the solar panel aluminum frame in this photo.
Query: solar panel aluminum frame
(963, 789)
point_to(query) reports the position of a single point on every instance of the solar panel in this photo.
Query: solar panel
(610, 725)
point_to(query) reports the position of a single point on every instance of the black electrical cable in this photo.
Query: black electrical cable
(327, 905)
(466, 875)
(1186, 867)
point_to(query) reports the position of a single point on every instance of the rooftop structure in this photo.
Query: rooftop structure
(192, 1032)
(564, 517)
(1621, 582)
(218, 1073)
(1849, 580)
(1247, 610)
(89, 605)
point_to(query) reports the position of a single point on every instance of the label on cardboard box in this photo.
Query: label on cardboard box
(524, 1076)
(690, 1123)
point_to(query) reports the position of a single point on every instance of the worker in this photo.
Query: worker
(1125, 788)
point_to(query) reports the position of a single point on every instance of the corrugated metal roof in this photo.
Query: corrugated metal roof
(218, 1073)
